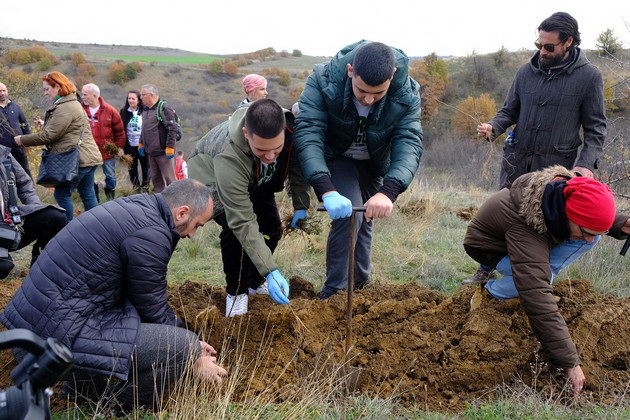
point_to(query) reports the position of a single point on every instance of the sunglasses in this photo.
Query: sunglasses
(586, 234)
(547, 47)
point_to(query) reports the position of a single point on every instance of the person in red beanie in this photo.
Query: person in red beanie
(531, 231)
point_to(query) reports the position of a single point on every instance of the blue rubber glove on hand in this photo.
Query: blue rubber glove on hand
(141, 150)
(278, 287)
(298, 215)
(337, 205)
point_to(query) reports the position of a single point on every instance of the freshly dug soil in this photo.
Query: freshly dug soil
(409, 343)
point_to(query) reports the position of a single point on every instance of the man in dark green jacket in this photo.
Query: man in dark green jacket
(359, 142)
(247, 160)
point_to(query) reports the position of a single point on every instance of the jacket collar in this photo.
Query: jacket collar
(529, 190)
(167, 215)
(576, 60)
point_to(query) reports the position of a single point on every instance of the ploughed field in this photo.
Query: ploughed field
(412, 344)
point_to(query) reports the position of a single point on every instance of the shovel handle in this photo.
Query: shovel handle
(354, 208)
(625, 247)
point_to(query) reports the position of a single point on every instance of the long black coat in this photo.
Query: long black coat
(98, 279)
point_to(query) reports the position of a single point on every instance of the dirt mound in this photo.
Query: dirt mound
(410, 342)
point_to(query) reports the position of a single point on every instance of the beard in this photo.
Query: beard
(547, 63)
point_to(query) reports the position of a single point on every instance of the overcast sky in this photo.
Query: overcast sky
(319, 27)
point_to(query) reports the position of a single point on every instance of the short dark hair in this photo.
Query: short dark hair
(188, 192)
(563, 23)
(374, 63)
(265, 118)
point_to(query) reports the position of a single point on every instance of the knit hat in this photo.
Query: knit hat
(589, 203)
(253, 81)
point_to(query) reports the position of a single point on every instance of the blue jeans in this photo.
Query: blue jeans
(561, 256)
(85, 187)
(109, 170)
(356, 180)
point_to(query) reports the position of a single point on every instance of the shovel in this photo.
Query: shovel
(350, 373)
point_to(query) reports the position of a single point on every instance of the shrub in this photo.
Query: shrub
(120, 73)
(284, 79)
(136, 65)
(87, 69)
(284, 53)
(296, 53)
(214, 68)
(473, 111)
(78, 59)
(296, 91)
(30, 55)
(44, 64)
(230, 68)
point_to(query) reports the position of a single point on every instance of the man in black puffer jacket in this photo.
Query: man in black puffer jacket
(100, 288)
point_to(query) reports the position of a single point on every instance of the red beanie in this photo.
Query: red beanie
(589, 203)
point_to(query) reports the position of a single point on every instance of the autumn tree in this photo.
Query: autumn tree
(230, 68)
(473, 111)
(432, 74)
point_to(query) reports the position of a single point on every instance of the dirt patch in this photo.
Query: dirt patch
(467, 213)
(410, 343)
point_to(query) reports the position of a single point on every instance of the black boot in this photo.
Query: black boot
(110, 194)
(98, 198)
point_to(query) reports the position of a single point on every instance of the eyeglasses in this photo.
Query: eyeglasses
(586, 234)
(547, 47)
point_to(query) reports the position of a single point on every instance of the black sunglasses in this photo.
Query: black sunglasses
(547, 47)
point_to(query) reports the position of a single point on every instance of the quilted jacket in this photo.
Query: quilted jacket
(97, 280)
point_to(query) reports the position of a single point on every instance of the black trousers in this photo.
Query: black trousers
(143, 161)
(161, 356)
(39, 227)
(240, 272)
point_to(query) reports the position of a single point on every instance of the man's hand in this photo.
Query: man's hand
(576, 377)
(485, 131)
(337, 205)
(18, 140)
(39, 123)
(169, 152)
(583, 171)
(141, 150)
(278, 287)
(207, 349)
(298, 215)
(206, 368)
(378, 207)
(626, 227)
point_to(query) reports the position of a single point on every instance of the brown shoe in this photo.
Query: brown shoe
(480, 277)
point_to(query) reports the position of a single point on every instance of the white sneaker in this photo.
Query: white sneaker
(260, 290)
(236, 305)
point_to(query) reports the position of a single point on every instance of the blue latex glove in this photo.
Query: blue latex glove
(337, 205)
(141, 151)
(298, 215)
(278, 287)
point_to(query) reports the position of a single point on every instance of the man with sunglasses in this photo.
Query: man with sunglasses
(531, 231)
(554, 96)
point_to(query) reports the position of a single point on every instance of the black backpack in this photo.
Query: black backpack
(160, 118)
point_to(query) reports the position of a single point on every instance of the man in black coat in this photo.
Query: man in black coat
(16, 119)
(100, 288)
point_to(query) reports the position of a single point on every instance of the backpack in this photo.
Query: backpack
(160, 118)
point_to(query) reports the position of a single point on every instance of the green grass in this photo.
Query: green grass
(184, 59)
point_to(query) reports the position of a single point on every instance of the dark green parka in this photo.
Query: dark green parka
(328, 121)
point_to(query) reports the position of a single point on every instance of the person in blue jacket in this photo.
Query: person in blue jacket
(99, 287)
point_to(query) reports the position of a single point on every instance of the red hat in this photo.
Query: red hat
(589, 203)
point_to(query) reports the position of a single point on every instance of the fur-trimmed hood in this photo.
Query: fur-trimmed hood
(527, 192)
